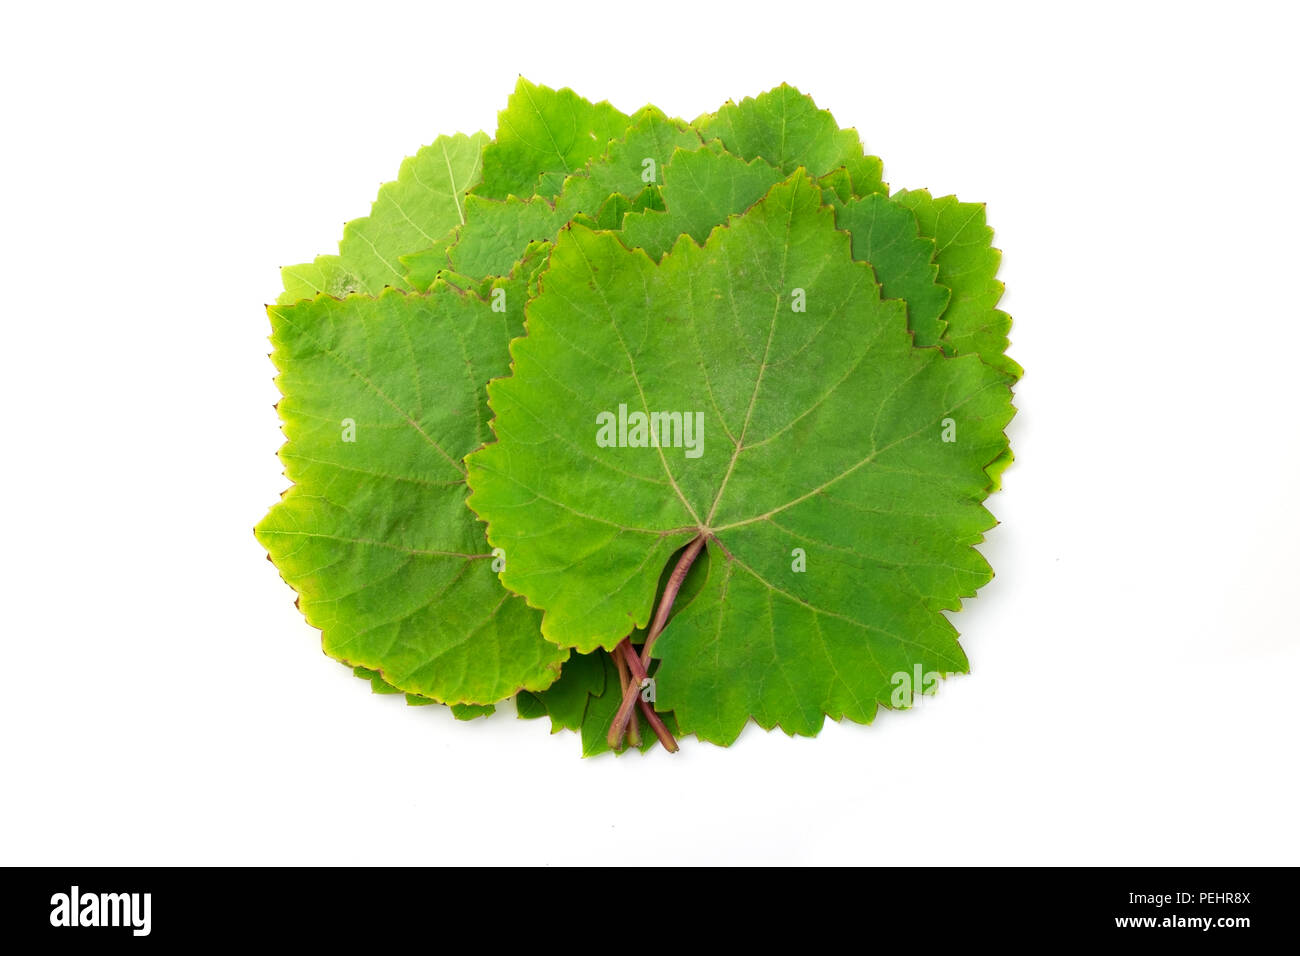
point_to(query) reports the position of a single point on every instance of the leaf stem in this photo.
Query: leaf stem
(639, 664)
(633, 734)
(634, 691)
(670, 595)
(624, 713)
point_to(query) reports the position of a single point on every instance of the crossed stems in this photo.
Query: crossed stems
(637, 665)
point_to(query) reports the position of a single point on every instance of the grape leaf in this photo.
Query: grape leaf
(496, 232)
(703, 187)
(587, 707)
(937, 255)
(382, 398)
(565, 701)
(562, 165)
(530, 266)
(968, 265)
(528, 706)
(540, 131)
(460, 711)
(600, 712)
(610, 215)
(785, 128)
(420, 207)
(422, 268)
(822, 431)
(377, 683)
(885, 234)
(587, 693)
(779, 131)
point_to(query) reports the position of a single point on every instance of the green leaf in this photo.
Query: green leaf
(382, 399)
(467, 711)
(542, 130)
(588, 707)
(325, 275)
(600, 712)
(530, 266)
(496, 232)
(377, 683)
(587, 694)
(565, 701)
(591, 528)
(425, 266)
(617, 206)
(701, 189)
(822, 430)
(968, 265)
(636, 159)
(885, 235)
(529, 706)
(422, 268)
(600, 709)
(420, 208)
(858, 177)
(460, 711)
(585, 699)
(785, 127)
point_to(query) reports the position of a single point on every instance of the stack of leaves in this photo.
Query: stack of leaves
(656, 427)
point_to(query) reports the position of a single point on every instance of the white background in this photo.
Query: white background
(1133, 695)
